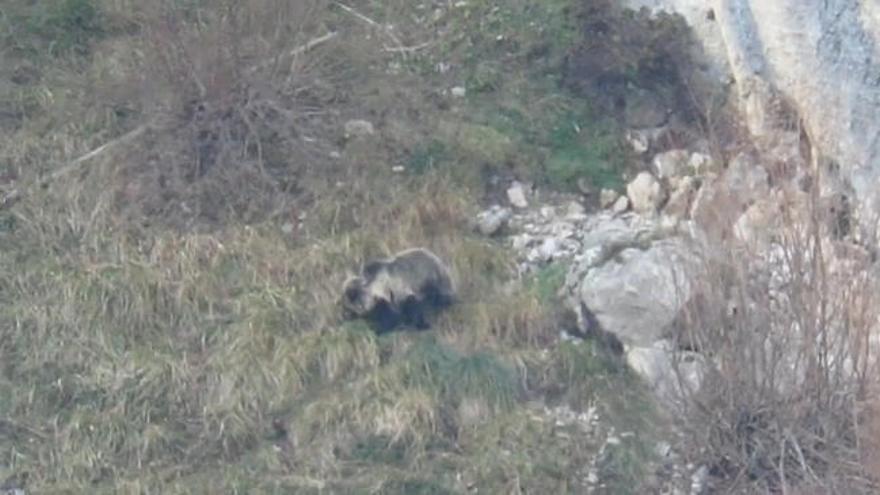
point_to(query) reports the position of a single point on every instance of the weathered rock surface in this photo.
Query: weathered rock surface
(492, 221)
(636, 292)
(358, 128)
(607, 197)
(516, 194)
(645, 193)
(672, 163)
(670, 373)
(821, 58)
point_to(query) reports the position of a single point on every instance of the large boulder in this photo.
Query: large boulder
(633, 286)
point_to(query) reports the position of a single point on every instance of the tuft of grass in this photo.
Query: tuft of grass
(453, 377)
(582, 150)
(547, 282)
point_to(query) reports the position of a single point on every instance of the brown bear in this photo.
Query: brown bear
(402, 289)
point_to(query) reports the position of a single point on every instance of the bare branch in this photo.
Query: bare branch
(125, 138)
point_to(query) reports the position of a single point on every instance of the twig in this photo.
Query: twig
(9, 199)
(408, 49)
(357, 14)
(296, 51)
(400, 46)
(312, 44)
(129, 136)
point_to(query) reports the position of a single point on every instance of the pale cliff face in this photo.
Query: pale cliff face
(824, 57)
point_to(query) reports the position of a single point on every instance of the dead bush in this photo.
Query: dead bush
(787, 332)
(239, 99)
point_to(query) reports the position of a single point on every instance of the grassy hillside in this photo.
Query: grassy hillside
(183, 205)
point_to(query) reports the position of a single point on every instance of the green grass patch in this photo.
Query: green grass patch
(547, 282)
(582, 149)
(58, 28)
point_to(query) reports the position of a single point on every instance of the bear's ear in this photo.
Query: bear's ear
(352, 288)
(352, 292)
(372, 268)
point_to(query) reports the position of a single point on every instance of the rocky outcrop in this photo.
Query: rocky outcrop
(808, 60)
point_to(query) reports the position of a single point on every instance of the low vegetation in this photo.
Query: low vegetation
(187, 204)
(789, 405)
(181, 200)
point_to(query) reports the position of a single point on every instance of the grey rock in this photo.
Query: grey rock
(493, 220)
(621, 205)
(672, 163)
(607, 198)
(636, 293)
(522, 241)
(671, 374)
(516, 194)
(356, 128)
(702, 163)
(639, 141)
(645, 193)
(575, 210)
(549, 249)
(776, 56)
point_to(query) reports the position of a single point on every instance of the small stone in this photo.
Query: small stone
(575, 210)
(549, 248)
(516, 194)
(359, 128)
(547, 211)
(397, 169)
(701, 163)
(607, 197)
(663, 449)
(669, 164)
(335, 155)
(491, 221)
(638, 141)
(287, 228)
(522, 241)
(458, 91)
(645, 193)
(620, 206)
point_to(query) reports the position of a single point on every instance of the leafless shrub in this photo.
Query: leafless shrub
(788, 331)
(241, 94)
